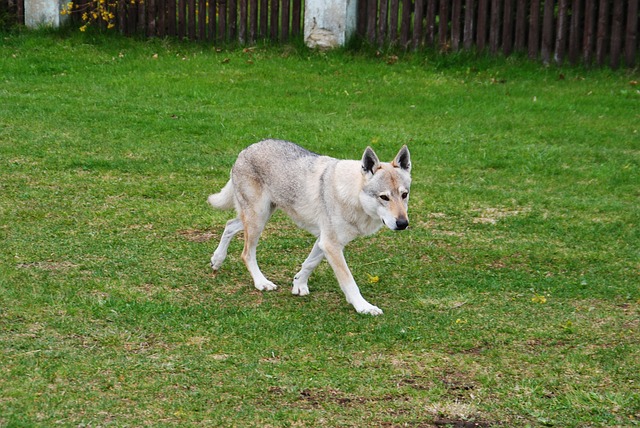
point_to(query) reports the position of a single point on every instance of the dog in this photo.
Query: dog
(335, 200)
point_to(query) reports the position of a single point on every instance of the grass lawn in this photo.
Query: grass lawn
(512, 300)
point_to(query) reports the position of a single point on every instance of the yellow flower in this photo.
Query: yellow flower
(538, 298)
(373, 279)
(83, 28)
(461, 321)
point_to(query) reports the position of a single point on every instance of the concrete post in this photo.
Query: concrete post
(329, 23)
(39, 13)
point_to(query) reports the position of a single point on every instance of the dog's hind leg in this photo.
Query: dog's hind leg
(254, 220)
(300, 287)
(233, 226)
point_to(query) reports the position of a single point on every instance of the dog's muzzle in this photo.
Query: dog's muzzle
(401, 224)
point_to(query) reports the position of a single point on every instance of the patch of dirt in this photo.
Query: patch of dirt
(458, 385)
(418, 383)
(47, 265)
(316, 397)
(450, 423)
(194, 235)
(493, 215)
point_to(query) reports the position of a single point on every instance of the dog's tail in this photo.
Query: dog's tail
(224, 200)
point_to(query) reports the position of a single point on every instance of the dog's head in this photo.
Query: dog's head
(385, 193)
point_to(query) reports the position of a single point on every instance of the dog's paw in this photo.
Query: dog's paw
(266, 286)
(216, 263)
(369, 309)
(299, 289)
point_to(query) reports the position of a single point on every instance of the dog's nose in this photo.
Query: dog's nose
(402, 224)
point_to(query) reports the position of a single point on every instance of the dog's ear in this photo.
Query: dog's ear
(402, 160)
(370, 161)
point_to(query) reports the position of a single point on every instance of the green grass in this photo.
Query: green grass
(512, 300)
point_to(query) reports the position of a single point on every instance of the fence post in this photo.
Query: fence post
(329, 23)
(43, 13)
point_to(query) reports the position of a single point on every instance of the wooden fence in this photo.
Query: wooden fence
(600, 32)
(244, 21)
(588, 31)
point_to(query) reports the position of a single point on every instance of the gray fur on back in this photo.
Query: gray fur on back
(278, 165)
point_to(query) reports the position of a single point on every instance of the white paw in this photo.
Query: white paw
(369, 309)
(299, 289)
(216, 263)
(266, 286)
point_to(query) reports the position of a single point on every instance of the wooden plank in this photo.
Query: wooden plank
(273, 20)
(161, 12)
(20, 11)
(222, 20)
(182, 21)
(431, 22)
(467, 38)
(383, 10)
(481, 38)
(211, 25)
(547, 31)
(253, 21)
(361, 18)
(171, 17)
(456, 24)
(616, 34)
(202, 20)
(142, 18)
(574, 31)
(588, 40)
(263, 30)
(191, 24)
(406, 23)
(122, 15)
(418, 15)
(534, 30)
(372, 14)
(561, 32)
(443, 25)
(521, 26)
(182, 18)
(494, 26)
(394, 14)
(602, 34)
(296, 15)
(232, 19)
(242, 22)
(507, 28)
(285, 19)
(631, 34)
(132, 18)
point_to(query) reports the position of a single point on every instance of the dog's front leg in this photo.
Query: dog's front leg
(335, 257)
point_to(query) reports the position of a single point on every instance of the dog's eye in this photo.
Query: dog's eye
(404, 195)
(384, 197)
